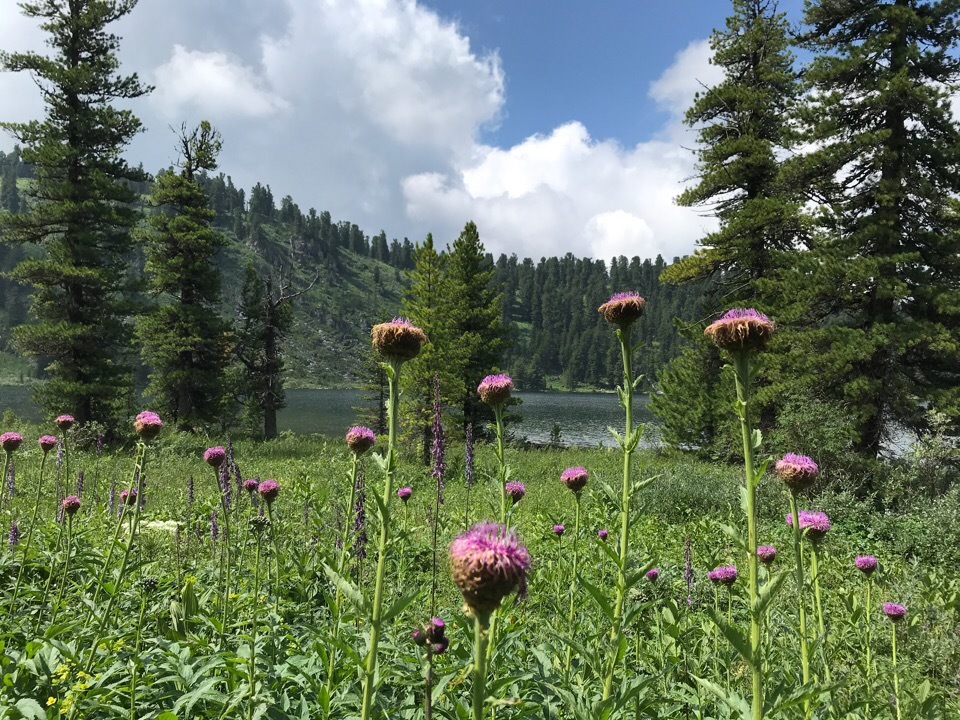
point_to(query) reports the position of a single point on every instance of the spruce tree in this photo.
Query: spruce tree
(476, 311)
(183, 337)
(742, 130)
(79, 207)
(883, 279)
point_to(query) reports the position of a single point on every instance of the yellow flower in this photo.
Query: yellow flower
(51, 701)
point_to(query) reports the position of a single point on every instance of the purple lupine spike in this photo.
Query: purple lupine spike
(468, 456)
(233, 466)
(688, 570)
(439, 464)
(112, 498)
(191, 495)
(360, 519)
(225, 487)
(99, 444)
(14, 537)
(11, 480)
(80, 484)
(214, 526)
(59, 513)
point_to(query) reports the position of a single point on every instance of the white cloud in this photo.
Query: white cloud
(213, 83)
(372, 109)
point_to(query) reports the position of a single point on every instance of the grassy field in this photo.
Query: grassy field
(89, 636)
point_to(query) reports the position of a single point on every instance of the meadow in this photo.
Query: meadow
(91, 632)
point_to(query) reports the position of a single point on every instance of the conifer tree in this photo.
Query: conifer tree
(476, 311)
(428, 303)
(742, 128)
(883, 280)
(79, 207)
(183, 337)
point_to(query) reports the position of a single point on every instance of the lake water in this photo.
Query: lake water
(582, 417)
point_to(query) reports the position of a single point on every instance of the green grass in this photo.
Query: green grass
(177, 659)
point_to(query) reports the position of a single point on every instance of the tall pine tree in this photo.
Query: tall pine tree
(183, 337)
(79, 207)
(742, 130)
(883, 280)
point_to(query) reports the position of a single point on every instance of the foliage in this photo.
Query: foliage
(183, 336)
(80, 209)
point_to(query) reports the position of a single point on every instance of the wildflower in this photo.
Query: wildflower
(360, 439)
(558, 530)
(191, 492)
(148, 425)
(80, 477)
(495, 389)
(468, 456)
(149, 584)
(653, 575)
(767, 554)
(128, 497)
(398, 339)
(259, 524)
(436, 629)
(723, 575)
(623, 308)
(798, 472)
(100, 444)
(894, 611)
(214, 526)
(516, 490)
(11, 480)
(688, 575)
(214, 456)
(269, 490)
(10, 441)
(404, 493)
(815, 523)
(440, 646)
(575, 478)
(602, 534)
(866, 564)
(741, 329)
(251, 485)
(70, 504)
(64, 422)
(488, 563)
(14, 537)
(360, 518)
(47, 443)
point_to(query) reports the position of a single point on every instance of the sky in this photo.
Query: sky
(555, 125)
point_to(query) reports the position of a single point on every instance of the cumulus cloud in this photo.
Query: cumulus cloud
(374, 110)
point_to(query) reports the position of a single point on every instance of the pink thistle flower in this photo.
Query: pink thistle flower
(404, 493)
(866, 564)
(602, 534)
(653, 575)
(766, 554)
(251, 485)
(894, 611)
(398, 339)
(723, 575)
(360, 439)
(47, 443)
(495, 389)
(10, 441)
(558, 530)
(488, 563)
(813, 523)
(798, 472)
(575, 478)
(128, 497)
(64, 422)
(741, 329)
(623, 308)
(70, 504)
(148, 425)
(214, 456)
(269, 490)
(516, 490)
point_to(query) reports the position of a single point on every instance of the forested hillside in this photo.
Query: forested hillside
(550, 305)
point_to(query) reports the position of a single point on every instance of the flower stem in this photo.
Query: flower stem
(33, 524)
(229, 560)
(896, 674)
(798, 574)
(66, 568)
(370, 666)
(276, 559)
(573, 581)
(626, 351)
(741, 364)
(501, 463)
(481, 636)
(869, 623)
(253, 635)
(815, 572)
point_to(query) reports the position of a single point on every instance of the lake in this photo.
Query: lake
(582, 417)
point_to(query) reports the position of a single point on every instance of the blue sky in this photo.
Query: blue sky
(555, 125)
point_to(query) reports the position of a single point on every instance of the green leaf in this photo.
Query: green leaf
(400, 605)
(616, 436)
(30, 709)
(756, 439)
(730, 698)
(598, 597)
(350, 591)
(733, 636)
(770, 589)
